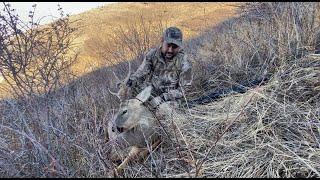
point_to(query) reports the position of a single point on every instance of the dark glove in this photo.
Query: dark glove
(129, 82)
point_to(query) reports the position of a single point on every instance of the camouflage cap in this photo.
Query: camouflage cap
(173, 35)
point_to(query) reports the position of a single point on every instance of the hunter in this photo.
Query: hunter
(167, 69)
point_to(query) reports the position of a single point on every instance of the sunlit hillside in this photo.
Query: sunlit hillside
(191, 17)
(97, 25)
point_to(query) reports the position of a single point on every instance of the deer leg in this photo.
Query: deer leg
(132, 154)
(145, 152)
(141, 152)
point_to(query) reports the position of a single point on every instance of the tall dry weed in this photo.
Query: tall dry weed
(256, 44)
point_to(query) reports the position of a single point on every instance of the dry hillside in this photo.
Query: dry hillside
(98, 25)
(192, 17)
(252, 111)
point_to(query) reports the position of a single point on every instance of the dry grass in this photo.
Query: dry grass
(270, 131)
(266, 132)
(106, 20)
(98, 25)
(254, 46)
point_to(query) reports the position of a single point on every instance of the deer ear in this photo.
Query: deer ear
(144, 94)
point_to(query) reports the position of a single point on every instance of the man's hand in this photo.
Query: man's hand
(129, 82)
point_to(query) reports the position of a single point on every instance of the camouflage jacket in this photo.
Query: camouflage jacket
(168, 77)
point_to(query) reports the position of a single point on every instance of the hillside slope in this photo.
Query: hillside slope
(272, 130)
(191, 17)
(97, 25)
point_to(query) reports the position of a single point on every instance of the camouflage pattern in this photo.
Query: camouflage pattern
(168, 77)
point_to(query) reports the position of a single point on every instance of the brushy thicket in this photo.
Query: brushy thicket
(270, 131)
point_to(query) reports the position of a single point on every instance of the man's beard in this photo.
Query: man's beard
(171, 55)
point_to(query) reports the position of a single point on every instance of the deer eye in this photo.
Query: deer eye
(124, 112)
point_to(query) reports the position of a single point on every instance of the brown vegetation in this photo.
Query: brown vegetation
(108, 31)
(34, 59)
(121, 31)
(270, 131)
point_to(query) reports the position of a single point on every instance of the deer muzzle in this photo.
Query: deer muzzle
(122, 129)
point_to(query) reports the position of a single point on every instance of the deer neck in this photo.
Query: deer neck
(147, 117)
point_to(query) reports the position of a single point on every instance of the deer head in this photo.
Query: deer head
(124, 91)
(132, 112)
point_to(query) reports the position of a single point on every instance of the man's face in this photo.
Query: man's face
(169, 50)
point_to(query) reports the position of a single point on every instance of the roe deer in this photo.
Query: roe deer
(134, 125)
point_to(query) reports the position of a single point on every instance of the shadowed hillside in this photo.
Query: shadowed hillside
(97, 42)
(271, 129)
